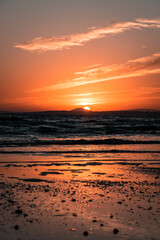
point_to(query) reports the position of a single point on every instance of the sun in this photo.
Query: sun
(87, 108)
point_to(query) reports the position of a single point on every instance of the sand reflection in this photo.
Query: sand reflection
(93, 195)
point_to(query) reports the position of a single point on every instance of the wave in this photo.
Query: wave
(40, 142)
(47, 130)
(78, 151)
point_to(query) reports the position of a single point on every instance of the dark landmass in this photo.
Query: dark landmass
(143, 110)
(81, 111)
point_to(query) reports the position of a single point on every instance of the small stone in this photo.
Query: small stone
(115, 231)
(18, 211)
(94, 220)
(149, 208)
(85, 233)
(73, 200)
(16, 227)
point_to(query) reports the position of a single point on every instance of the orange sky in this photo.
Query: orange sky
(59, 55)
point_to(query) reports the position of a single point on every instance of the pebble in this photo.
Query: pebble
(16, 227)
(18, 211)
(115, 231)
(85, 233)
(94, 220)
(73, 200)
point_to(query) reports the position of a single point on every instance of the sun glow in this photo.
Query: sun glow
(87, 108)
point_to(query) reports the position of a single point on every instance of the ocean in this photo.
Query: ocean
(65, 128)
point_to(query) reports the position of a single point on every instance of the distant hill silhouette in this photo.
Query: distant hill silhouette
(79, 110)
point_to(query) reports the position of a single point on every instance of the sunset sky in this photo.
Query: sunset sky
(65, 54)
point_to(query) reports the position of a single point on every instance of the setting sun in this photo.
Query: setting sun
(87, 108)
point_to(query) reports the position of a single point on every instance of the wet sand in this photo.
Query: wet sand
(79, 197)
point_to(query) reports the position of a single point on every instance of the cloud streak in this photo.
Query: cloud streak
(133, 68)
(54, 43)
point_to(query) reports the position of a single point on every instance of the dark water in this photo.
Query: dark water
(33, 129)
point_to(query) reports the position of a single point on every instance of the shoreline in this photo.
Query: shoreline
(64, 201)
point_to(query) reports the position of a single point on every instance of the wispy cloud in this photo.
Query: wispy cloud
(133, 68)
(84, 94)
(81, 99)
(67, 41)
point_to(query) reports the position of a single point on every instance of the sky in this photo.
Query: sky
(66, 54)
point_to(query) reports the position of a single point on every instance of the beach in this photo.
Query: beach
(80, 184)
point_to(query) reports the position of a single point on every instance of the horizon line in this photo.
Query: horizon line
(123, 110)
